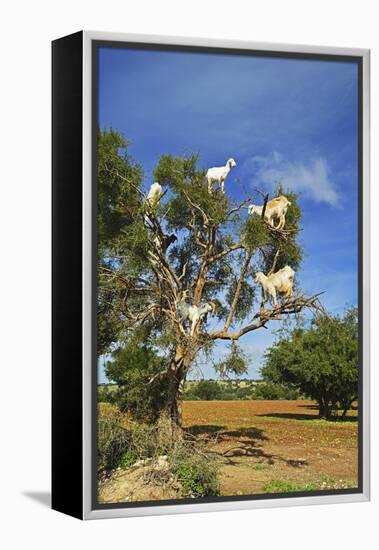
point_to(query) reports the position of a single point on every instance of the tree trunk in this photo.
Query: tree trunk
(177, 376)
(346, 407)
(324, 408)
(176, 406)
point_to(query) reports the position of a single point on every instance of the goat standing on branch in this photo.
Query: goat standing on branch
(193, 313)
(154, 195)
(218, 175)
(275, 209)
(281, 281)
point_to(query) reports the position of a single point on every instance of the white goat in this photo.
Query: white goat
(218, 174)
(281, 281)
(195, 314)
(275, 208)
(154, 195)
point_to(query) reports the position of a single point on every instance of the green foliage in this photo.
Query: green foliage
(205, 390)
(197, 475)
(185, 182)
(322, 361)
(326, 483)
(142, 388)
(118, 181)
(233, 390)
(235, 363)
(106, 393)
(273, 391)
(255, 232)
(119, 203)
(280, 486)
(128, 458)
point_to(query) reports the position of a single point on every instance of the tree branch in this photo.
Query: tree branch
(289, 306)
(241, 279)
(239, 207)
(228, 250)
(116, 172)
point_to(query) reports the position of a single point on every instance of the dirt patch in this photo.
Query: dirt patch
(260, 442)
(139, 483)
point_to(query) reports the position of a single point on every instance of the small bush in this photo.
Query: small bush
(197, 479)
(128, 458)
(196, 472)
(106, 393)
(274, 391)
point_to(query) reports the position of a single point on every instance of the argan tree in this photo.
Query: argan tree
(321, 361)
(218, 249)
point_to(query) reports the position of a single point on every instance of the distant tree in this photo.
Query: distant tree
(269, 391)
(217, 252)
(206, 390)
(322, 361)
(135, 367)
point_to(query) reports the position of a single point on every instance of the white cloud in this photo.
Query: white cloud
(311, 180)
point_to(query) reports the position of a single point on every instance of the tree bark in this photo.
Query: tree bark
(324, 409)
(177, 376)
(346, 407)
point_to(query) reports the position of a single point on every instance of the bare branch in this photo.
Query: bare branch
(228, 250)
(127, 282)
(197, 207)
(238, 290)
(240, 206)
(287, 307)
(274, 263)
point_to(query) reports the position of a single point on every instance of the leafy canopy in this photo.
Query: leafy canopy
(322, 361)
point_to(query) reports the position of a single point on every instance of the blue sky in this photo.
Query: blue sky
(280, 119)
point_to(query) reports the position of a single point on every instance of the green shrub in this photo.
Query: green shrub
(106, 393)
(273, 391)
(206, 390)
(140, 392)
(197, 474)
(128, 458)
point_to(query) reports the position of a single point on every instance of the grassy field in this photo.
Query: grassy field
(275, 446)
